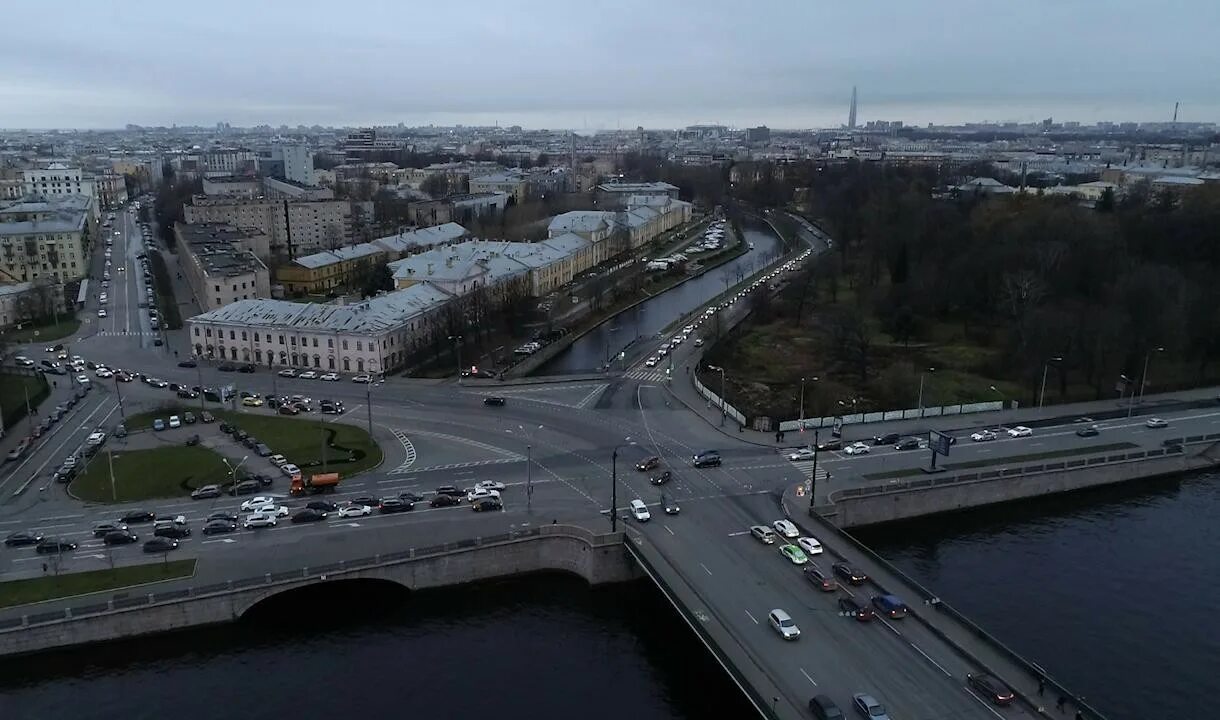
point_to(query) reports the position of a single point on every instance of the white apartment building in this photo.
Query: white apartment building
(465, 267)
(218, 265)
(58, 179)
(373, 336)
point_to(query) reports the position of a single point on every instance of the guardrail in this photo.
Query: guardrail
(123, 601)
(1174, 447)
(933, 601)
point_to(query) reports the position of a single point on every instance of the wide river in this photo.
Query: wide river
(1111, 591)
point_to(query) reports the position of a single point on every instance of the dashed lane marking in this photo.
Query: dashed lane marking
(409, 447)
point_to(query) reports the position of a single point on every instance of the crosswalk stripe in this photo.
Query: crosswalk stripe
(806, 467)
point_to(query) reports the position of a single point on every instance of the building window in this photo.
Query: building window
(208, 332)
(281, 339)
(315, 342)
(359, 345)
(345, 344)
(243, 335)
(330, 342)
(232, 335)
(196, 332)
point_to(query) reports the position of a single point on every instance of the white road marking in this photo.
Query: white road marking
(929, 657)
(751, 617)
(815, 682)
(671, 532)
(740, 532)
(979, 700)
(709, 572)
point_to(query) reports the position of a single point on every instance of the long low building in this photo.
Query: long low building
(373, 336)
(489, 264)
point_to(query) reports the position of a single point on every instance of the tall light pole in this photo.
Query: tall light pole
(1003, 400)
(922, 375)
(233, 472)
(614, 484)
(1144, 375)
(1046, 366)
(529, 465)
(457, 350)
(723, 414)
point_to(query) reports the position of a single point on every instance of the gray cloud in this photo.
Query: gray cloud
(565, 64)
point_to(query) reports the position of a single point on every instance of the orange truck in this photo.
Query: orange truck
(314, 484)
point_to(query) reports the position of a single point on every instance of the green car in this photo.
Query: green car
(793, 553)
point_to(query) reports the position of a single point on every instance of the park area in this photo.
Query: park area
(53, 587)
(161, 465)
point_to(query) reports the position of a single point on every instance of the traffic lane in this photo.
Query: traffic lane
(64, 439)
(862, 658)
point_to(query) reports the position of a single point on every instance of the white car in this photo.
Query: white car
(249, 505)
(308, 375)
(101, 312)
(259, 520)
(698, 342)
(289, 469)
(490, 485)
(1019, 431)
(362, 378)
(1156, 423)
(332, 377)
(287, 372)
(652, 361)
(103, 373)
(83, 379)
(786, 528)
(278, 460)
(640, 511)
(477, 493)
(811, 546)
(803, 454)
(175, 421)
(271, 509)
(857, 448)
(983, 436)
(348, 511)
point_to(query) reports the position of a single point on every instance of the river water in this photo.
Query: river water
(591, 351)
(1111, 591)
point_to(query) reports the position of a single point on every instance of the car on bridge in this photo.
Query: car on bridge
(639, 510)
(854, 608)
(259, 520)
(990, 688)
(823, 708)
(1157, 423)
(353, 510)
(890, 606)
(786, 528)
(820, 579)
(868, 706)
(763, 534)
(1019, 431)
(810, 545)
(849, 573)
(794, 554)
(886, 439)
(783, 624)
(1089, 431)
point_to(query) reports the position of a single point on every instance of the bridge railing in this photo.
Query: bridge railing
(933, 601)
(125, 601)
(1176, 446)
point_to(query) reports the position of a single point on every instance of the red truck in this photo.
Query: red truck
(314, 484)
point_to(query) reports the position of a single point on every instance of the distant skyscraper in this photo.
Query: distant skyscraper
(851, 114)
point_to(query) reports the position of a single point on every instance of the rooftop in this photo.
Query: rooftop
(422, 238)
(581, 221)
(650, 188)
(375, 315)
(214, 246)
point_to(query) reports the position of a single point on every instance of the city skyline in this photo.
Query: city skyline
(556, 66)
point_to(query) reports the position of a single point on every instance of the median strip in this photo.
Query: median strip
(58, 587)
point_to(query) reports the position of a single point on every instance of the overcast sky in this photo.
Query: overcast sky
(595, 65)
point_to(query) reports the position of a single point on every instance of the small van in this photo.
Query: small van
(783, 624)
(640, 511)
(890, 606)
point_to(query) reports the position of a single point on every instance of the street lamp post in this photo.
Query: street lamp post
(1003, 400)
(1046, 366)
(529, 465)
(723, 412)
(457, 351)
(922, 375)
(813, 474)
(233, 472)
(1144, 374)
(614, 484)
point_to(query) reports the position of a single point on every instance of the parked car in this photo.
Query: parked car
(205, 492)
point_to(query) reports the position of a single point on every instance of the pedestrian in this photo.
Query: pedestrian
(44, 568)
(53, 385)
(777, 436)
(1041, 685)
(1060, 703)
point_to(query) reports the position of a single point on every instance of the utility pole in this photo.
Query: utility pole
(199, 374)
(529, 479)
(368, 403)
(119, 392)
(614, 490)
(813, 475)
(114, 496)
(28, 412)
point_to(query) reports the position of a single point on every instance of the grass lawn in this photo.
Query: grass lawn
(41, 333)
(144, 474)
(1029, 457)
(296, 438)
(51, 587)
(12, 395)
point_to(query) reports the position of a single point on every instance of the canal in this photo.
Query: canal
(592, 351)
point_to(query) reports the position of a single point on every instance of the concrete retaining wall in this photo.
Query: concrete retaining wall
(598, 559)
(988, 486)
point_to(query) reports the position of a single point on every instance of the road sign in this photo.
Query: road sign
(837, 430)
(940, 442)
